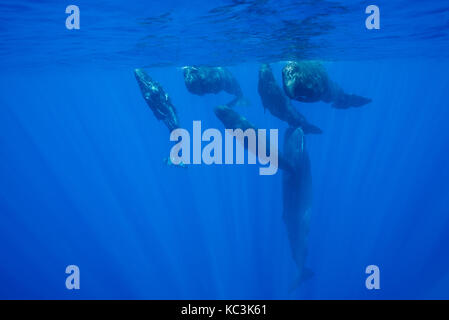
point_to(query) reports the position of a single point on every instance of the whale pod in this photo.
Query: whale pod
(157, 99)
(308, 81)
(279, 105)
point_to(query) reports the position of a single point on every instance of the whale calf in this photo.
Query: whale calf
(308, 81)
(297, 198)
(201, 80)
(279, 105)
(157, 99)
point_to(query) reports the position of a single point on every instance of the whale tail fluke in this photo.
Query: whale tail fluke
(305, 275)
(345, 101)
(239, 102)
(311, 128)
(243, 102)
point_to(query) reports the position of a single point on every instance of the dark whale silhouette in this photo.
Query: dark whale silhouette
(232, 120)
(308, 81)
(297, 198)
(296, 185)
(157, 99)
(279, 105)
(201, 80)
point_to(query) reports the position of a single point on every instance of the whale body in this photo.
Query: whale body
(279, 105)
(233, 120)
(201, 80)
(297, 198)
(308, 81)
(157, 99)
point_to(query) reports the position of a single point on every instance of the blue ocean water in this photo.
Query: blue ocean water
(82, 179)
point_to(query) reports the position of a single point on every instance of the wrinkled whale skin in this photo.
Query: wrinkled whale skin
(279, 105)
(297, 198)
(201, 80)
(157, 99)
(308, 81)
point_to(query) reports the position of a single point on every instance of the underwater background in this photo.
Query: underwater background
(82, 179)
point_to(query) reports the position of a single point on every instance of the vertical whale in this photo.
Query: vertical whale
(296, 186)
(297, 198)
(280, 106)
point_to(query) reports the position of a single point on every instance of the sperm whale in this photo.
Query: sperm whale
(201, 80)
(308, 81)
(157, 99)
(274, 99)
(297, 198)
(233, 120)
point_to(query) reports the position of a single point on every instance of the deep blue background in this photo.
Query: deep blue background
(82, 182)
